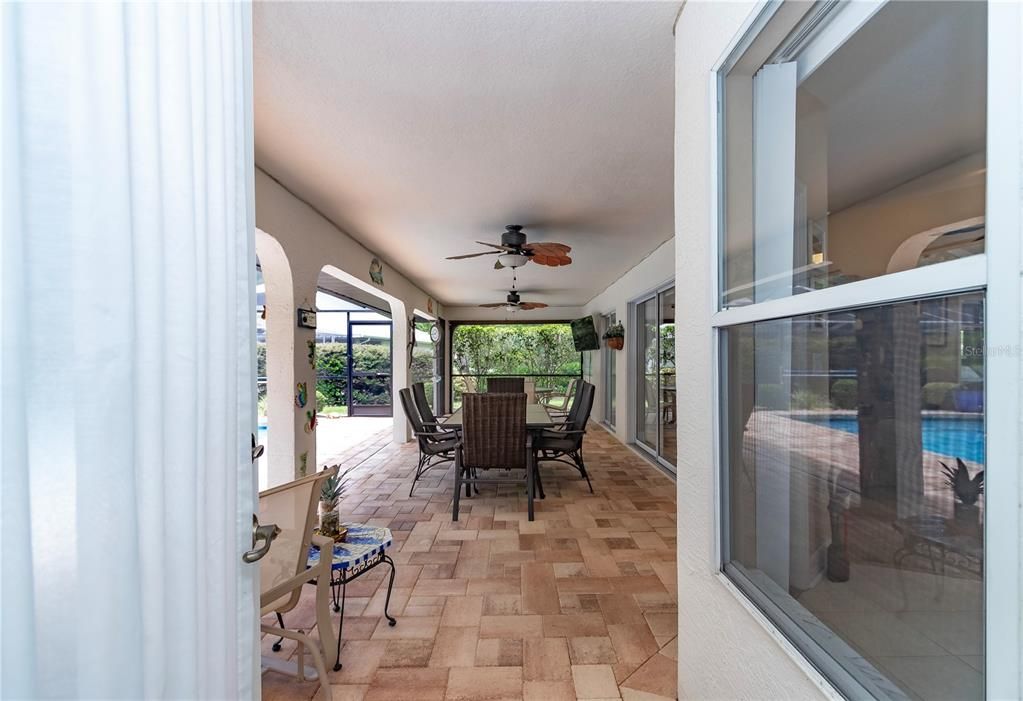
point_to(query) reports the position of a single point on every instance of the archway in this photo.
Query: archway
(278, 311)
(373, 297)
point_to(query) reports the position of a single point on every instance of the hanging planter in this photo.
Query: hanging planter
(615, 336)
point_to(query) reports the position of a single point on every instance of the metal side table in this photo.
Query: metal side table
(363, 550)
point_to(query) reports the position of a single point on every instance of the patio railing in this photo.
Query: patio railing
(557, 383)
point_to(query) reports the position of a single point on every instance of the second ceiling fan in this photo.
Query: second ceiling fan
(513, 302)
(514, 252)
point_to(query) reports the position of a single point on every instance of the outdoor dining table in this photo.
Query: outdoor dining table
(537, 418)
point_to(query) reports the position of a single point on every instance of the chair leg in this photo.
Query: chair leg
(276, 647)
(578, 457)
(530, 477)
(419, 471)
(458, 486)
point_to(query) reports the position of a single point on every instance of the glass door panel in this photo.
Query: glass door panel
(370, 368)
(666, 374)
(647, 403)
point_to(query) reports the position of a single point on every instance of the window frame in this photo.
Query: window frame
(996, 272)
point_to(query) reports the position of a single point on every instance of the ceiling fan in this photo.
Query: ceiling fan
(513, 302)
(515, 252)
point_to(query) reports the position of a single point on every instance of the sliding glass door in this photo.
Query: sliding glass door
(655, 374)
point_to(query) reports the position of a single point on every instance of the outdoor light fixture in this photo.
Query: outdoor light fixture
(513, 260)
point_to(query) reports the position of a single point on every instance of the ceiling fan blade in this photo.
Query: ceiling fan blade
(549, 248)
(526, 306)
(494, 305)
(499, 247)
(547, 253)
(473, 255)
(551, 261)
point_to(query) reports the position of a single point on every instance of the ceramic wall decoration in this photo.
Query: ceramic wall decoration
(301, 395)
(376, 271)
(303, 461)
(310, 421)
(311, 345)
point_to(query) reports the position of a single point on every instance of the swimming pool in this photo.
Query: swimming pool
(956, 438)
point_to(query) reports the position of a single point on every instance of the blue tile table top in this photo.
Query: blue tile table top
(362, 545)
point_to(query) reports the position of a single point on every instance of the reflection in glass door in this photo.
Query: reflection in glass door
(655, 374)
(646, 385)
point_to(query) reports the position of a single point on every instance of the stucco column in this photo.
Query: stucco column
(400, 317)
(303, 391)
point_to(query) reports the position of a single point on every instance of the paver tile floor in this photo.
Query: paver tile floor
(578, 604)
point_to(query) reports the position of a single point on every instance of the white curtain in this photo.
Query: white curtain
(126, 352)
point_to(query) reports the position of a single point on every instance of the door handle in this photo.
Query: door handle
(266, 534)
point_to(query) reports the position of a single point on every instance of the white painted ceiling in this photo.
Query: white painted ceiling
(418, 128)
(905, 96)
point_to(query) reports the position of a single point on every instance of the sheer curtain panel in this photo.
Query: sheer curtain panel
(127, 351)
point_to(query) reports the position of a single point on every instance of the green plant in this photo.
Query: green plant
(805, 399)
(938, 395)
(333, 489)
(770, 396)
(965, 489)
(843, 394)
(615, 331)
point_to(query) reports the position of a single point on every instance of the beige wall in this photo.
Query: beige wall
(295, 243)
(724, 651)
(652, 272)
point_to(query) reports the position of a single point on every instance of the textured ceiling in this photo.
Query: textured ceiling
(420, 127)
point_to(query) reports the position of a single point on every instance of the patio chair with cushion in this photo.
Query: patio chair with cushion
(558, 402)
(565, 444)
(575, 389)
(283, 572)
(436, 446)
(506, 385)
(494, 437)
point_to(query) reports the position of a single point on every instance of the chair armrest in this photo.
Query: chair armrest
(322, 541)
(444, 435)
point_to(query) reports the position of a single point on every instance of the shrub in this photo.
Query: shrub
(843, 394)
(771, 397)
(805, 399)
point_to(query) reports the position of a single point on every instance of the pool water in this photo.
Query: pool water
(956, 438)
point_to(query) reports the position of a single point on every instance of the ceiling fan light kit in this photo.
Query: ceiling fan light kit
(512, 260)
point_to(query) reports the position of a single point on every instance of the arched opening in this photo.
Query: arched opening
(275, 301)
(362, 360)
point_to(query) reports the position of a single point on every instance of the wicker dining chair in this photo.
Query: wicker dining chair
(565, 444)
(436, 446)
(506, 385)
(494, 437)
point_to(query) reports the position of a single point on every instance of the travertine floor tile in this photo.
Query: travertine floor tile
(572, 605)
